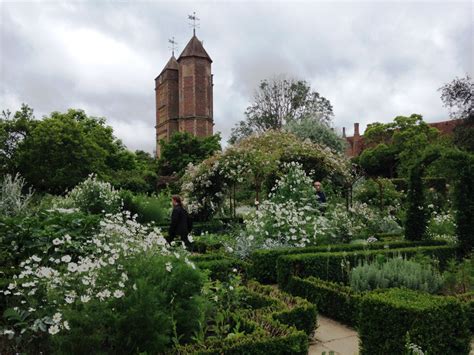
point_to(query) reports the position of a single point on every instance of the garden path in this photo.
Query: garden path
(333, 336)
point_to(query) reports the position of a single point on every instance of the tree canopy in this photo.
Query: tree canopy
(279, 101)
(395, 146)
(184, 148)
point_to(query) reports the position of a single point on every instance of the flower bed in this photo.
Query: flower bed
(264, 262)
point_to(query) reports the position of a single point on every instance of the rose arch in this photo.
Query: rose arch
(259, 160)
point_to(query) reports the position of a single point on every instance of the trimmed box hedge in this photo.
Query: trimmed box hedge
(334, 300)
(437, 324)
(280, 325)
(264, 262)
(285, 308)
(333, 266)
(220, 266)
(467, 300)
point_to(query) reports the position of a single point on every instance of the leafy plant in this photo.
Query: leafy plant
(12, 200)
(397, 272)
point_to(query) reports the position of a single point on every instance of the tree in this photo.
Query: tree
(13, 131)
(279, 101)
(63, 149)
(184, 148)
(457, 95)
(317, 132)
(396, 145)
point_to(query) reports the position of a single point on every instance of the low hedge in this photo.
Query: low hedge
(467, 300)
(220, 267)
(285, 308)
(334, 266)
(262, 336)
(437, 324)
(334, 300)
(264, 261)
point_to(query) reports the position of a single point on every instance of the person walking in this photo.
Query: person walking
(180, 222)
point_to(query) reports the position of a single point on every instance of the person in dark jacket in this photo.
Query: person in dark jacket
(320, 196)
(180, 222)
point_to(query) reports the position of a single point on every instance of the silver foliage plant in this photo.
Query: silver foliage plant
(12, 200)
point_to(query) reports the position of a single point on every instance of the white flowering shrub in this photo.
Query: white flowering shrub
(95, 196)
(12, 200)
(255, 159)
(442, 226)
(290, 216)
(68, 274)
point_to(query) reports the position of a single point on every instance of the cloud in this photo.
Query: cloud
(373, 60)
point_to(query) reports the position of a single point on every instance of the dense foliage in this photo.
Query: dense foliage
(397, 272)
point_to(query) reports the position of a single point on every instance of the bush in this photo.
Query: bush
(335, 266)
(158, 307)
(332, 299)
(397, 272)
(220, 267)
(437, 324)
(417, 212)
(294, 311)
(380, 192)
(264, 262)
(12, 200)
(94, 196)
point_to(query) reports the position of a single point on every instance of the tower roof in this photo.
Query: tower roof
(171, 65)
(194, 48)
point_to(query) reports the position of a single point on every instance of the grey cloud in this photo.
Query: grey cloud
(373, 60)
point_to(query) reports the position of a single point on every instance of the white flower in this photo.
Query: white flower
(57, 241)
(85, 298)
(57, 317)
(118, 293)
(72, 267)
(66, 325)
(66, 259)
(54, 329)
(69, 299)
(111, 261)
(169, 267)
(36, 259)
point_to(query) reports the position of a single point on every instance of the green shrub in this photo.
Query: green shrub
(261, 335)
(380, 192)
(158, 308)
(459, 277)
(417, 212)
(206, 243)
(154, 208)
(437, 324)
(13, 201)
(335, 266)
(220, 267)
(94, 196)
(332, 299)
(397, 272)
(467, 300)
(264, 261)
(290, 310)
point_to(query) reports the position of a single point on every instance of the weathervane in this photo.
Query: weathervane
(194, 25)
(173, 44)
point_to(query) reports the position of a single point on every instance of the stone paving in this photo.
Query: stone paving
(333, 336)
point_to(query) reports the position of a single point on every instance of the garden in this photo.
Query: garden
(90, 270)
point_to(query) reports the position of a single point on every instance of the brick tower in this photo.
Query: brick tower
(184, 94)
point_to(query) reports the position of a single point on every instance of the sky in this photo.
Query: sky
(374, 60)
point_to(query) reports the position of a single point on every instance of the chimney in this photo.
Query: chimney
(356, 129)
(343, 132)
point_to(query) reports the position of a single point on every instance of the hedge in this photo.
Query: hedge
(281, 325)
(220, 267)
(289, 310)
(334, 266)
(437, 183)
(334, 300)
(437, 324)
(467, 300)
(264, 262)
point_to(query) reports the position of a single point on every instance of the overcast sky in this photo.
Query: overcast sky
(373, 60)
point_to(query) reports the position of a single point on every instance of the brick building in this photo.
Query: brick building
(183, 92)
(355, 143)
